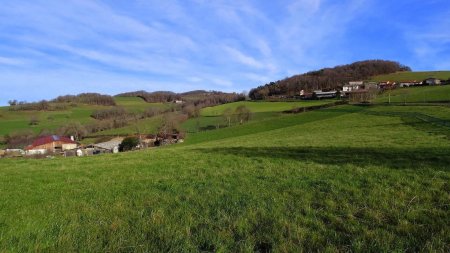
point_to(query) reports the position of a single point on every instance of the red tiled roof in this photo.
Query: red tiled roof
(49, 139)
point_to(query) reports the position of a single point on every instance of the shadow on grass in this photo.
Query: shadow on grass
(408, 158)
(419, 121)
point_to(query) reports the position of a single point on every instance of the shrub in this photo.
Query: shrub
(19, 139)
(34, 121)
(115, 112)
(128, 144)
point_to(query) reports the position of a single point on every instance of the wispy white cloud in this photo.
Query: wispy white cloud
(11, 61)
(179, 45)
(242, 58)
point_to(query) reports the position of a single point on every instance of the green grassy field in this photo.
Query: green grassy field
(19, 120)
(144, 126)
(211, 117)
(261, 106)
(11, 121)
(410, 76)
(416, 94)
(348, 178)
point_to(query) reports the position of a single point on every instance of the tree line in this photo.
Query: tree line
(61, 102)
(327, 78)
(207, 98)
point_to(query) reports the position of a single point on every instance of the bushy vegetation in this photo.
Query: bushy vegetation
(42, 105)
(328, 78)
(128, 144)
(19, 139)
(199, 97)
(86, 98)
(350, 178)
(111, 113)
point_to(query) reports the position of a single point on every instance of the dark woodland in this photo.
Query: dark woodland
(327, 78)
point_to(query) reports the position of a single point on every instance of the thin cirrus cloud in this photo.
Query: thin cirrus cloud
(50, 48)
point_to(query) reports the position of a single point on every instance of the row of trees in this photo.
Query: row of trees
(327, 79)
(60, 103)
(86, 98)
(111, 113)
(206, 98)
(241, 114)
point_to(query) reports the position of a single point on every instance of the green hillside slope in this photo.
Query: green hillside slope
(368, 179)
(19, 120)
(410, 76)
(416, 95)
(11, 121)
(211, 117)
(260, 106)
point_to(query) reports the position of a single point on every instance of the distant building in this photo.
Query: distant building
(432, 81)
(352, 86)
(386, 85)
(50, 144)
(405, 84)
(111, 146)
(371, 86)
(178, 101)
(318, 94)
(14, 152)
(305, 95)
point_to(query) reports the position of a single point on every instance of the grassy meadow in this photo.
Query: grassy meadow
(19, 120)
(421, 94)
(261, 106)
(411, 76)
(11, 121)
(348, 178)
(211, 117)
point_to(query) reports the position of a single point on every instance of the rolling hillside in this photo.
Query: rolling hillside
(422, 94)
(19, 120)
(211, 117)
(411, 76)
(349, 178)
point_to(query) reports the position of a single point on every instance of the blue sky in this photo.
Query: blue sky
(53, 47)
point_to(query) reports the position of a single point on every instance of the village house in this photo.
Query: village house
(371, 86)
(351, 86)
(305, 95)
(405, 84)
(432, 81)
(50, 144)
(386, 85)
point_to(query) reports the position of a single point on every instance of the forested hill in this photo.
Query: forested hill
(327, 78)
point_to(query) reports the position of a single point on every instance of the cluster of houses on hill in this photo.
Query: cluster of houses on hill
(365, 90)
(54, 145)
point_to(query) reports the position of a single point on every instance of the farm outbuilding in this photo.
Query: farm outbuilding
(52, 144)
(432, 81)
(351, 86)
(318, 94)
(111, 146)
